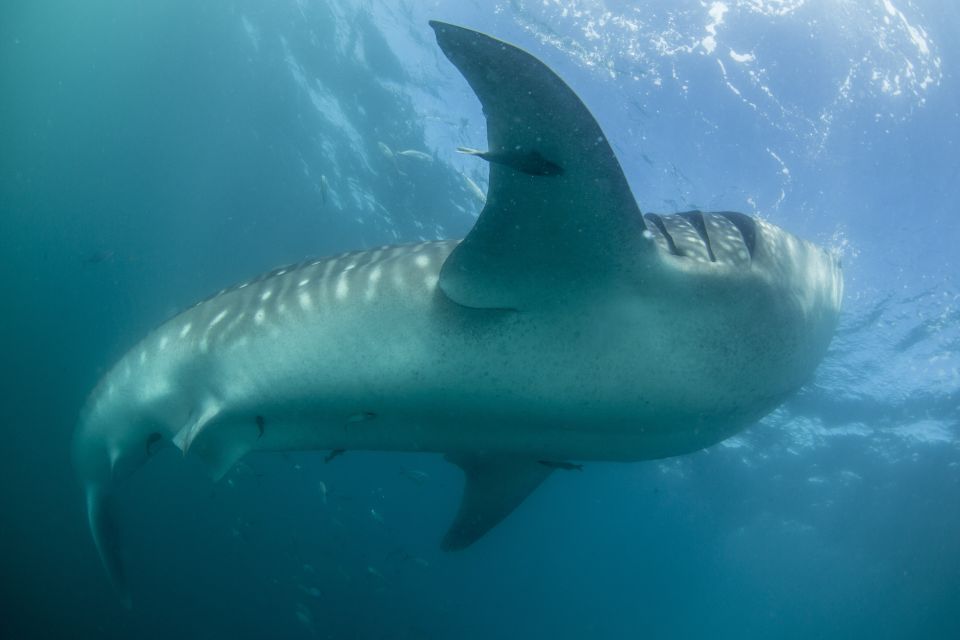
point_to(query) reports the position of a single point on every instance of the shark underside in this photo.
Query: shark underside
(566, 326)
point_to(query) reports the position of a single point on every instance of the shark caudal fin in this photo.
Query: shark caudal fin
(101, 513)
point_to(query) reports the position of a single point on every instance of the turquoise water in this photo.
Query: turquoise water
(154, 152)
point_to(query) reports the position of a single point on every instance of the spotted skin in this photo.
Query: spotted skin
(565, 327)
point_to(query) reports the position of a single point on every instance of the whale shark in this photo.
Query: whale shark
(566, 327)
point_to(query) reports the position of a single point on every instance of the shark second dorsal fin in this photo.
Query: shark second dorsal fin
(559, 216)
(494, 486)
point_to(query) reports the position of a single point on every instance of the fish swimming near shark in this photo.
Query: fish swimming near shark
(566, 326)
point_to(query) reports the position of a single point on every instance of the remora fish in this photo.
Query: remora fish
(565, 326)
(528, 161)
(561, 464)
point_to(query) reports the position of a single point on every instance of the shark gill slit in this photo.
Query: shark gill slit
(747, 227)
(658, 222)
(695, 218)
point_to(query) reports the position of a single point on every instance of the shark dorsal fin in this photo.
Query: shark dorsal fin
(494, 486)
(559, 215)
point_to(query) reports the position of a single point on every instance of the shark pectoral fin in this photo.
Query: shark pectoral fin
(220, 454)
(101, 513)
(494, 487)
(218, 444)
(185, 438)
(569, 227)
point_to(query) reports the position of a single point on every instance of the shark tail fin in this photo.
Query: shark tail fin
(101, 512)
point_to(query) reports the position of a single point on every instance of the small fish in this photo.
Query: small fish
(98, 257)
(475, 189)
(364, 416)
(305, 616)
(322, 486)
(333, 454)
(324, 188)
(418, 155)
(413, 474)
(313, 592)
(529, 162)
(385, 150)
(376, 516)
(376, 574)
(560, 464)
(398, 554)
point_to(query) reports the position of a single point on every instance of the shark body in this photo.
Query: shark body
(566, 326)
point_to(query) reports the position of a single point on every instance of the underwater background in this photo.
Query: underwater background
(153, 152)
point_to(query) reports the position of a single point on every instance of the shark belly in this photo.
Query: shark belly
(366, 352)
(444, 378)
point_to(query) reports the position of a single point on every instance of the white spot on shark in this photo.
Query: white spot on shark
(305, 301)
(232, 325)
(342, 288)
(217, 319)
(266, 295)
(259, 316)
(422, 261)
(397, 274)
(186, 330)
(372, 281)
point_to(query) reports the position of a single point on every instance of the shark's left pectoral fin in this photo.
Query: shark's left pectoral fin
(219, 452)
(494, 486)
(218, 444)
(559, 214)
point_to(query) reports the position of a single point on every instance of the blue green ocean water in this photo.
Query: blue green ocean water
(154, 152)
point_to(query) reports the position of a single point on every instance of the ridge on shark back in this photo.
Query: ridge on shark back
(566, 326)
